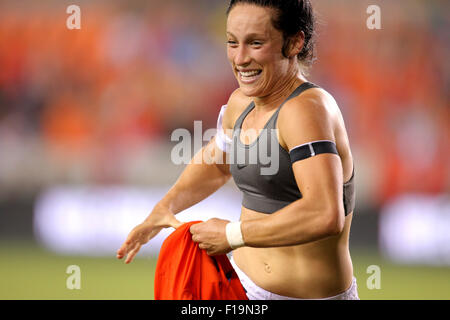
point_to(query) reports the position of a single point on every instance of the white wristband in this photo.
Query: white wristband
(234, 235)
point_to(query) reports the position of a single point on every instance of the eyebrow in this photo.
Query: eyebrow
(250, 35)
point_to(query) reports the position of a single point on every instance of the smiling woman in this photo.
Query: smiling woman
(256, 50)
(292, 22)
(292, 240)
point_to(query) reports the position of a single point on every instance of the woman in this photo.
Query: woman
(288, 244)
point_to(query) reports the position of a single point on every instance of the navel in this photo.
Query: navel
(267, 268)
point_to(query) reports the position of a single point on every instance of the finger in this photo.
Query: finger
(123, 249)
(119, 253)
(129, 244)
(203, 246)
(193, 228)
(213, 251)
(132, 254)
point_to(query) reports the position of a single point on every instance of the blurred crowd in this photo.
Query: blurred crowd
(79, 106)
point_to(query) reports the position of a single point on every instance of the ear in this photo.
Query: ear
(296, 44)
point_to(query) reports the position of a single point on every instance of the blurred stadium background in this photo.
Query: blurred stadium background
(86, 118)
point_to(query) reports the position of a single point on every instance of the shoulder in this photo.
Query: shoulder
(312, 103)
(235, 106)
(308, 117)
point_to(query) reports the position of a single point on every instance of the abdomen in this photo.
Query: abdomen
(314, 270)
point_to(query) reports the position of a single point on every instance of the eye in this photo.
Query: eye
(232, 43)
(256, 43)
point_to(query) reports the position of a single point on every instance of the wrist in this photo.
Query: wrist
(158, 213)
(234, 235)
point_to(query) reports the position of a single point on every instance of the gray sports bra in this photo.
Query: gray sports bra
(263, 171)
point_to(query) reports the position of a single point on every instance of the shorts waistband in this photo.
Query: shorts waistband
(254, 292)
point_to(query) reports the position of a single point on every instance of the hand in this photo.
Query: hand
(211, 236)
(160, 218)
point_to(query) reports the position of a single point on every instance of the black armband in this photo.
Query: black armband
(311, 149)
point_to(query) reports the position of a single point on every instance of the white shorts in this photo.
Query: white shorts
(257, 293)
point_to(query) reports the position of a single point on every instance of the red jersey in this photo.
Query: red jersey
(185, 272)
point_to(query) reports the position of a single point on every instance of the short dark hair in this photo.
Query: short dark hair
(292, 17)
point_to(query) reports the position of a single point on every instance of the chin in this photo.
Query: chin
(246, 91)
(250, 91)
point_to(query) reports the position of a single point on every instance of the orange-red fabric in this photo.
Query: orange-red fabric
(185, 272)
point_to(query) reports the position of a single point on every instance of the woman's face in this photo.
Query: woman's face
(255, 50)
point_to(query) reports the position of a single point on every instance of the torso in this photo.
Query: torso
(314, 270)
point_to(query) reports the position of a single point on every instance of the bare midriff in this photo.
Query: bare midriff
(318, 269)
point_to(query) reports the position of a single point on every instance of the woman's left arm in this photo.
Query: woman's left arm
(320, 212)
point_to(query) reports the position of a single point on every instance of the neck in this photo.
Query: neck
(277, 96)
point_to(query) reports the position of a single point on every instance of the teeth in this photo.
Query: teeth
(249, 73)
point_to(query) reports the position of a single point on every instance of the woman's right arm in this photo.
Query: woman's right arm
(204, 175)
(207, 171)
(199, 179)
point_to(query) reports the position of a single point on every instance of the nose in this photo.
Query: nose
(242, 57)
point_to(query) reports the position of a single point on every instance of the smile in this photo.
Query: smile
(249, 76)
